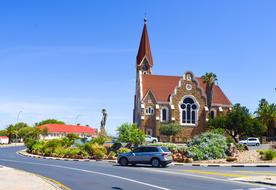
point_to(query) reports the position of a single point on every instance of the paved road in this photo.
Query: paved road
(104, 176)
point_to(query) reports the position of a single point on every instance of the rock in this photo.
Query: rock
(188, 160)
(233, 151)
(178, 157)
(231, 159)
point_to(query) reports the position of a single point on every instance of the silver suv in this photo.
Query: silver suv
(154, 155)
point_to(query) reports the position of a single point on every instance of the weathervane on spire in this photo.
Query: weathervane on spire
(145, 18)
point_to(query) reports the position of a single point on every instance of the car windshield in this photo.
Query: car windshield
(165, 149)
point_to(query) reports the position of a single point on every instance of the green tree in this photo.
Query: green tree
(170, 129)
(3, 133)
(12, 130)
(266, 114)
(44, 132)
(209, 79)
(49, 121)
(238, 123)
(29, 133)
(131, 134)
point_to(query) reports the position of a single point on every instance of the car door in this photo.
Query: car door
(150, 152)
(137, 155)
(251, 142)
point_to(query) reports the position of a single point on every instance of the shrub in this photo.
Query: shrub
(170, 129)
(172, 147)
(123, 150)
(99, 140)
(208, 146)
(112, 156)
(116, 146)
(29, 144)
(71, 153)
(59, 152)
(98, 151)
(37, 147)
(75, 153)
(131, 134)
(182, 149)
(269, 154)
(241, 147)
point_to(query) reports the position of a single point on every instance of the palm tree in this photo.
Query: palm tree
(266, 113)
(11, 132)
(209, 79)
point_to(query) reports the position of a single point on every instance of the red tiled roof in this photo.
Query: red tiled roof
(144, 48)
(163, 86)
(4, 137)
(62, 128)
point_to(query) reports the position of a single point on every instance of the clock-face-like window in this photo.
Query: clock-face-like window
(145, 67)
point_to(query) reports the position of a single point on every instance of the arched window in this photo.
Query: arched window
(164, 114)
(213, 114)
(149, 111)
(189, 111)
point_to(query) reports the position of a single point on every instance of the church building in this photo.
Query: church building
(161, 99)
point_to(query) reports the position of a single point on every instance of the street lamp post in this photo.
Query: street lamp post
(77, 117)
(16, 127)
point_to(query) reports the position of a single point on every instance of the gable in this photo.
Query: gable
(163, 86)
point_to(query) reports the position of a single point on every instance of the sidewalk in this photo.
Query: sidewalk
(11, 145)
(13, 179)
(267, 180)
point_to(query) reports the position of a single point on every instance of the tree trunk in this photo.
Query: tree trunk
(271, 129)
(209, 93)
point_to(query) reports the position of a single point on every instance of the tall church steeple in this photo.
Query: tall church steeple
(144, 60)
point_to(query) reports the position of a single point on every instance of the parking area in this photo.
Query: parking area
(261, 147)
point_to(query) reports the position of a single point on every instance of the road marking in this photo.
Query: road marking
(208, 178)
(214, 173)
(93, 172)
(262, 173)
(261, 188)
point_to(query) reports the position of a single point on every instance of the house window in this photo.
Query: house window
(164, 114)
(189, 111)
(149, 111)
(213, 114)
(149, 132)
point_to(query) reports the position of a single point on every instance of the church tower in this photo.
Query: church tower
(144, 65)
(144, 60)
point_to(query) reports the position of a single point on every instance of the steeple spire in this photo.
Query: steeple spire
(144, 48)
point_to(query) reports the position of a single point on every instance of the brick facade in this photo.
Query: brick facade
(157, 92)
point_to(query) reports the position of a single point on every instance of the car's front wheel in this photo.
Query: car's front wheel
(154, 141)
(258, 144)
(123, 162)
(155, 162)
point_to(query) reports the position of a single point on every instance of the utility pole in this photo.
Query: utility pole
(16, 131)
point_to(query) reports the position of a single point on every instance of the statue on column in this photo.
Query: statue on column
(103, 123)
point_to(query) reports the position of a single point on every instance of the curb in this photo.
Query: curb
(56, 184)
(255, 181)
(24, 153)
(225, 165)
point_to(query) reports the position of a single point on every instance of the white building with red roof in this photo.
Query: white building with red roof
(161, 99)
(61, 130)
(4, 140)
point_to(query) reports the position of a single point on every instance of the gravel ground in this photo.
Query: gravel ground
(251, 156)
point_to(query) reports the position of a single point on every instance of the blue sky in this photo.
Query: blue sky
(69, 59)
